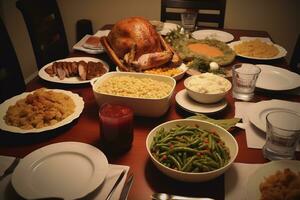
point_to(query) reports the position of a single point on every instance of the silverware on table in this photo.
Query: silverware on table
(164, 196)
(11, 168)
(126, 188)
(115, 185)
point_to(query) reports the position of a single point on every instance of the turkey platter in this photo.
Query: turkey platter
(134, 45)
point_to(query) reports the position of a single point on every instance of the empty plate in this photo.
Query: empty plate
(213, 34)
(277, 79)
(257, 112)
(67, 170)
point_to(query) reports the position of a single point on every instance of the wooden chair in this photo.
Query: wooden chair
(210, 12)
(295, 59)
(46, 29)
(83, 27)
(11, 78)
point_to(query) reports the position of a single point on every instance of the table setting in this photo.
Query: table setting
(173, 130)
(13, 184)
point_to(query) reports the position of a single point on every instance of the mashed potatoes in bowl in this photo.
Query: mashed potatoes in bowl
(207, 87)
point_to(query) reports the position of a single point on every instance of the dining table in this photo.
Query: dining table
(147, 178)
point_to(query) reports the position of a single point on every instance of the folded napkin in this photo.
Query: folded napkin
(7, 191)
(225, 123)
(236, 179)
(5, 162)
(264, 39)
(101, 33)
(255, 138)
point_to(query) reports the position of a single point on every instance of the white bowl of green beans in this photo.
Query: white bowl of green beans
(191, 150)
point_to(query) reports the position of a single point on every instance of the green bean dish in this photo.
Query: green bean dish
(189, 149)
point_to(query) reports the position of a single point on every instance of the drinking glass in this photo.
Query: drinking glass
(116, 127)
(188, 20)
(244, 77)
(283, 133)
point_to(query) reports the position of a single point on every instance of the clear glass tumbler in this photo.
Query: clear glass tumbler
(244, 77)
(283, 133)
(188, 20)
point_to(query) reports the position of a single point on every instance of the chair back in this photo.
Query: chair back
(45, 28)
(295, 59)
(83, 27)
(210, 12)
(11, 78)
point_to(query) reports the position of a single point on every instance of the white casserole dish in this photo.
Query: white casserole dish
(147, 107)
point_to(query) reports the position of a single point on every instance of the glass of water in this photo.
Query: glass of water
(188, 20)
(244, 77)
(283, 133)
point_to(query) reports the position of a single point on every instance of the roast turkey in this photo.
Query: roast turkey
(134, 45)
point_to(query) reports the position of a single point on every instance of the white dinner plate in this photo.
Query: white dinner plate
(167, 27)
(67, 170)
(177, 77)
(270, 168)
(213, 34)
(80, 44)
(282, 52)
(257, 112)
(69, 80)
(275, 78)
(79, 105)
(188, 104)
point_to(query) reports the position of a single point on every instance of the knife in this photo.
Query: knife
(126, 188)
(115, 185)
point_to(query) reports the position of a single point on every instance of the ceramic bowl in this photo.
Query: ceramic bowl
(228, 139)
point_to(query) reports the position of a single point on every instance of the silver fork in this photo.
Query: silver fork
(164, 196)
(11, 168)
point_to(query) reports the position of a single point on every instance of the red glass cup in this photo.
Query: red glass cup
(116, 127)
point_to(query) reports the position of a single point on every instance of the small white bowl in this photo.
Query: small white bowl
(228, 139)
(147, 107)
(208, 97)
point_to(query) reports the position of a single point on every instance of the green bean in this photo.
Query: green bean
(204, 135)
(183, 133)
(216, 137)
(173, 159)
(188, 164)
(203, 167)
(184, 157)
(187, 149)
(212, 163)
(220, 160)
(202, 146)
(178, 159)
(195, 143)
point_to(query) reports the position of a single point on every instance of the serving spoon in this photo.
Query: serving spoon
(164, 196)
